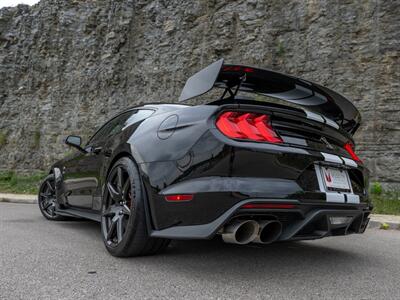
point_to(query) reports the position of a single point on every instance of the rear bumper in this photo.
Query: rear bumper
(221, 173)
(305, 221)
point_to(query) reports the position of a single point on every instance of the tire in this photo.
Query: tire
(123, 221)
(47, 199)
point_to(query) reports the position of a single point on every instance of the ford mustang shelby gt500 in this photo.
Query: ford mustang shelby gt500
(268, 157)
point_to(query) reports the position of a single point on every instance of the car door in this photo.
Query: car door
(82, 172)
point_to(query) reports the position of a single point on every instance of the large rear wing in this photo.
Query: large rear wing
(310, 96)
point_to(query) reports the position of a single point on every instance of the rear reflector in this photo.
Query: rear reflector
(247, 126)
(268, 206)
(349, 148)
(177, 198)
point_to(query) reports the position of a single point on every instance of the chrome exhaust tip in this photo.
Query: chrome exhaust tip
(269, 232)
(240, 232)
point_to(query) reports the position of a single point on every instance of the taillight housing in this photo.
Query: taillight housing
(247, 126)
(350, 149)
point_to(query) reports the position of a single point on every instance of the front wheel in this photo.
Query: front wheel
(123, 221)
(47, 199)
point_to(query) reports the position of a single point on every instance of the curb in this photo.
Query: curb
(17, 198)
(378, 225)
(388, 221)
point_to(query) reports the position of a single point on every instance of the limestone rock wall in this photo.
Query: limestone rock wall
(68, 65)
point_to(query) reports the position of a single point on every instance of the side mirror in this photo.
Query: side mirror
(75, 141)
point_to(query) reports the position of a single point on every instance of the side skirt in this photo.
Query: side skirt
(70, 212)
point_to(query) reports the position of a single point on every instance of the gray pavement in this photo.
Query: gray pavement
(40, 259)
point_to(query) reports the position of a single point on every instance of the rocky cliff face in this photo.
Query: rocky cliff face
(68, 65)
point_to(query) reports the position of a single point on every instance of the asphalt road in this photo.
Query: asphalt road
(40, 259)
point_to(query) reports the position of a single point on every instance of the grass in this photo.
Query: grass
(387, 203)
(11, 182)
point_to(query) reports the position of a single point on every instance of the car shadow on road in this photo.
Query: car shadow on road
(210, 257)
(206, 258)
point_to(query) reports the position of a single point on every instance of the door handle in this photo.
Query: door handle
(97, 150)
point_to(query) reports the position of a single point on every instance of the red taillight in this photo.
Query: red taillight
(248, 126)
(237, 69)
(177, 198)
(349, 148)
(268, 206)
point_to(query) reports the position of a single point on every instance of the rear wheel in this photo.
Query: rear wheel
(47, 199)
(123, 219)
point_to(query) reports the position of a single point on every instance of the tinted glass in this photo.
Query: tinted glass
(111, 127)
(119, 123)
(140, 115)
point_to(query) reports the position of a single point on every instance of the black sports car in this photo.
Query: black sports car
(269, 157)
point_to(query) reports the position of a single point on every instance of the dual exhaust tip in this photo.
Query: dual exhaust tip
(247, 231)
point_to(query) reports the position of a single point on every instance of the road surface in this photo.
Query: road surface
(40, 259)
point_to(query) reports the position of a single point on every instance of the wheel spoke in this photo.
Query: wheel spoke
(119, 179)
(119, 229)
(49, 186)
(126, 210)
(47, 204)
(113, 192)
(112, 228)
(51, 209)
(125, 189)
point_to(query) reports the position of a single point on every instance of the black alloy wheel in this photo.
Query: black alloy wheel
(123, 220)
(47, 199)
(118, 207)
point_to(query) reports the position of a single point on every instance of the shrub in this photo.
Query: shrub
(376, 188)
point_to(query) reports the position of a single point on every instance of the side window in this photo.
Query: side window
(119, 123)
(111, 127)
(140, 115)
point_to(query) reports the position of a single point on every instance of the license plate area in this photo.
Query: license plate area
(335, 179)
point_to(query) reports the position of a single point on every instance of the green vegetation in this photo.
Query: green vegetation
(11, 182)
(280, 49)
(376, 188)
(384, 226)
(36, 139)
(387, 203)
(3, 139)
